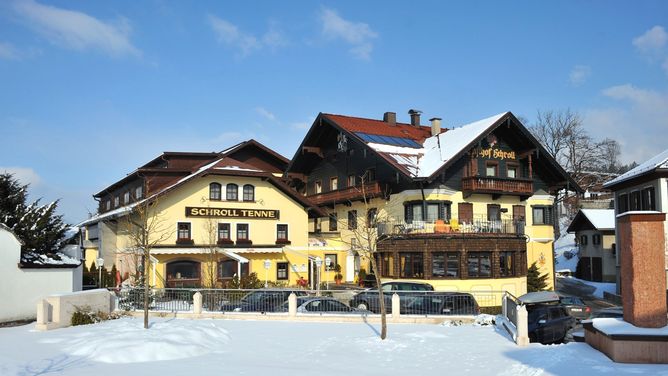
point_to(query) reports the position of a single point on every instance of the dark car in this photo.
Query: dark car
(575, 307)
(319, 304)
(261, 301)
(407, 291)
(447, 303)
(549, 323)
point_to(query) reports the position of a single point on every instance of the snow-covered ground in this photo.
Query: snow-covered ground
(565, 243)
(227, 347)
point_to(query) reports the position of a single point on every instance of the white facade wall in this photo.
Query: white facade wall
(22, 288)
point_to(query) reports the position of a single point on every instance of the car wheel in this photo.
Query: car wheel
(363, 306)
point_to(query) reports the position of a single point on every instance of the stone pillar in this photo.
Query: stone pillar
(396, 306)
(42, 315)
(643, 273)
(197, 303)
(292, 305)
(522, 326)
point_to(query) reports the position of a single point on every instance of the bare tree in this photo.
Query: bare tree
(146, 228)
(211, 240)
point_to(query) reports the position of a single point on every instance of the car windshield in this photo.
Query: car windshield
(571, 300)
(254, 297)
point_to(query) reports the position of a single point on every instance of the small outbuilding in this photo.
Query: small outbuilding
(595, 236)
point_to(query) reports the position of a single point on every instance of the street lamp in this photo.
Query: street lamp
(318, 264)
(100, 265)
(328, 263)
(267, 265)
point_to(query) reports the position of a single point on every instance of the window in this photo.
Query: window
(117, 201)
(583, 239)
(333, 184)
(622, 204)
(479, 264)
(387, 265)
(506, 263)
(511, 171)
(596, 239)
(232, 192)
(411, 265)
(413, 211)
(332, 262)
(351, 180)
(108, 204)
(242, 232)
(493, 212)
(224, 231)
(183, 231)
(491, 169)
(445, 264)
(282, 270)
(371, 215)
(542, 215)
(139, 192)
(352, 219)
(227, 269)
(647, 199)
(282, 233)
(183, 270)
(126, 197)
(634, 201)
(318, 186)
(432, 212)
(333, 222)
(370, 174)
(249, 193)
(215, 190)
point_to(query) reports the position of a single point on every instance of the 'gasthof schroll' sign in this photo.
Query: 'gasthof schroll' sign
(232, 213)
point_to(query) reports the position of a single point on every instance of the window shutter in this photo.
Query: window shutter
(408, 213)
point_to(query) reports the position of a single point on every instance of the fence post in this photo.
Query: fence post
(292, 305)
(396, 306)
(504, 305)
(42, 315)
(197, 303)
(522, 326)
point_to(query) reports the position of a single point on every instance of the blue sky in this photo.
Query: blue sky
(91, 90)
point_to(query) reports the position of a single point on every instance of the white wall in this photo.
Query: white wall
(22, 288)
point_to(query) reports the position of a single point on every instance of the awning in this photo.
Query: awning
(201, 250)
(242, 260)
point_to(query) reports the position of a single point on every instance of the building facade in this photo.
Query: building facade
(595, 237)
(466, 209)
(210, 218)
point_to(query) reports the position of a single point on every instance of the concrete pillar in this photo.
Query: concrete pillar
(643, 273)
(197, 303)
(504, 306)
(522, 326)
(43, 308)
(396, 306)
(292, 305)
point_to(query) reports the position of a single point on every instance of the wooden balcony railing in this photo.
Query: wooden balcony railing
(481, 184)
(347, 194)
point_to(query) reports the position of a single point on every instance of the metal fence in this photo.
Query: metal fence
(275, 301)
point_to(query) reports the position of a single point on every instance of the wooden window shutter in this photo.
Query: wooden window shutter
(465, 212)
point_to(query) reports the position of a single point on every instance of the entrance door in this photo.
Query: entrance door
(597, 269)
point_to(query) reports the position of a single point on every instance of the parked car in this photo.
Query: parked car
(407, 291)
(261, 301)
(318, 304)
(549, 323)
(447, 303)
(575, 307)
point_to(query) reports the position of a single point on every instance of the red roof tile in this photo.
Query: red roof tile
(379, 127)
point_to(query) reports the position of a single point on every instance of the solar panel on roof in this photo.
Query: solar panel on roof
(388, 140)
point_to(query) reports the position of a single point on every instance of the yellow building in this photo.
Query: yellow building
(466, 209)
(211, 218)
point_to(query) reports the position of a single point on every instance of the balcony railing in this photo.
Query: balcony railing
(482, 184)
(475, 226)
(347, 194)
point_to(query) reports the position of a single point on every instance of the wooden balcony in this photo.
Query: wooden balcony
(497, 186)
(341, 196)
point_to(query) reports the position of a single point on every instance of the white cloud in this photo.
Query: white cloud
(638, 121)
(301, 125)
(579, 74)
(77, 30)
(358, 34)
(25, 175)
(265, 113)
(652, 40)
(8, 52)
(229, 34)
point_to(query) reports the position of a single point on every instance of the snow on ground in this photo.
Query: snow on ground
(600, 287)
(565, 243)
(216, 347)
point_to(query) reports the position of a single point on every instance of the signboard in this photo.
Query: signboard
(232, 213)
(494, 153)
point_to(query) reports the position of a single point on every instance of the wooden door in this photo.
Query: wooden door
(465, 212)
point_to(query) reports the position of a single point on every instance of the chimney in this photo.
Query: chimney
(435, 126)
(390, 118)
(415, 117)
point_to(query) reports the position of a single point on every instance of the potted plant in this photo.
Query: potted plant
(338, 277)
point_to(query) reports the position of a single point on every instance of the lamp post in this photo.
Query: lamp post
(318, 264)
(100, 265)
(328, 262)
(267, 265)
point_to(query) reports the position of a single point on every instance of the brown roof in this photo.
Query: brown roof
(379, 127)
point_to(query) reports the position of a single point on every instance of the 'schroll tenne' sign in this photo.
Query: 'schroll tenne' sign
(232, 213)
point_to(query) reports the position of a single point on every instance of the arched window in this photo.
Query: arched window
(232, 192)
(214, 191)
(227, 269)
(183, 274)
(249, 193)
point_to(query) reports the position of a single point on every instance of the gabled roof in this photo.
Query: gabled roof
(379, 127)
(656, 163)
(593, 219)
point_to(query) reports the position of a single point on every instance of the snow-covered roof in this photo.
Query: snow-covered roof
(436, 150)
(34, 259)
(602, 219)
(659, 161)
